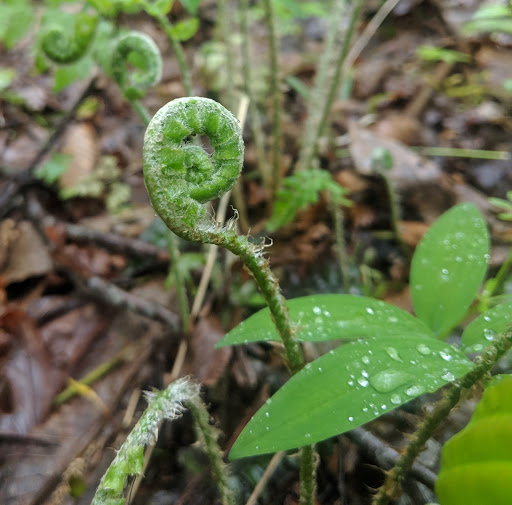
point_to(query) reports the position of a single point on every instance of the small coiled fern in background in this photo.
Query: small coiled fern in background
(139, 51)
(65, 45)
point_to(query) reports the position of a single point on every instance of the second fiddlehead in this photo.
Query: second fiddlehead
(67, 46)
(138, 51)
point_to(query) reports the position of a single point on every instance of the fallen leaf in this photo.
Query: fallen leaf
(27, 255)
(408, 168)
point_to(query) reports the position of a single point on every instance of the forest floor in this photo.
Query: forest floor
(85, 279)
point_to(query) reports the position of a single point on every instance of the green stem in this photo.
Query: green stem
(321, 90)
(181, 291)
(209, 435)
(141, 110)
(391, 488)
(178, 51)
(254, 120)
(341, 251)
(307, 475)
(276, 100)
(455, 152)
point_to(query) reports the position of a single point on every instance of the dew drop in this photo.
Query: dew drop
(388, 380)
(327, 313)
(365, 360)
(362, 381)
(415, 390)
(317, 310)
(423, 349)
(308, 435)
(267, 414)
(489, 334)
(445, 356)
(448, 376)
(396, 399)
(370, 310)
(393, 354)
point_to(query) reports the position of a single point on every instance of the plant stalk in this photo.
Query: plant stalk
(392, 486)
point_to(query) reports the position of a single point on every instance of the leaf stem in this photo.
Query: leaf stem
(391, 488)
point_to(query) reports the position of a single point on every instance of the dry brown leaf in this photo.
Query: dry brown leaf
(408, 169)
(204, 362)
(27, 255)
(81, 143)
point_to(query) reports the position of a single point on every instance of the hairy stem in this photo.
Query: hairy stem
(276, 100)
(391, 488)
(320, 92)
(254, 121)
(178, 51)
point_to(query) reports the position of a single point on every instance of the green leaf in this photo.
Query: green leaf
(186, 29)
(477, 462)
(328, 317)
(158, 8)
(67, 74)
(50, 171)
(15, 22)
(192, 6)
(300, 190)
(482, 331)
(7, 75)
(448, 267)
(348, 387)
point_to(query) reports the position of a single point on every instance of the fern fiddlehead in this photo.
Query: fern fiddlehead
(64, 45)
(180, 177)
(139, 51)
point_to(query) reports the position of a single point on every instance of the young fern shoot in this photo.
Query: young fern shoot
(180, 177)
(139, 49)
(63, 45)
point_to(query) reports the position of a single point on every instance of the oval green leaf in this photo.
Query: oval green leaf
(477, 462)
(483, 330)
(329, 317)
(348, 387)
(448, 267)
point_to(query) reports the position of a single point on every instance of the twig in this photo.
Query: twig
(267, 474)
(368, 33)
(385, 456)
(109, 293)
(221, 216)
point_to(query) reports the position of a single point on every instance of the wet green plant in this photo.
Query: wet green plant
(391, 356)
(181, 176)
(476, 462)
(169, 404)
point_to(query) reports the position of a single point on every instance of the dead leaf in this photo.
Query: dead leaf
(408, 168)
(27, 255)
(204, 362)
(31, 378)
(81, 143)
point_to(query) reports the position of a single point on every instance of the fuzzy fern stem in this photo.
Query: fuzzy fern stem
(180, 177)
(391, 488)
